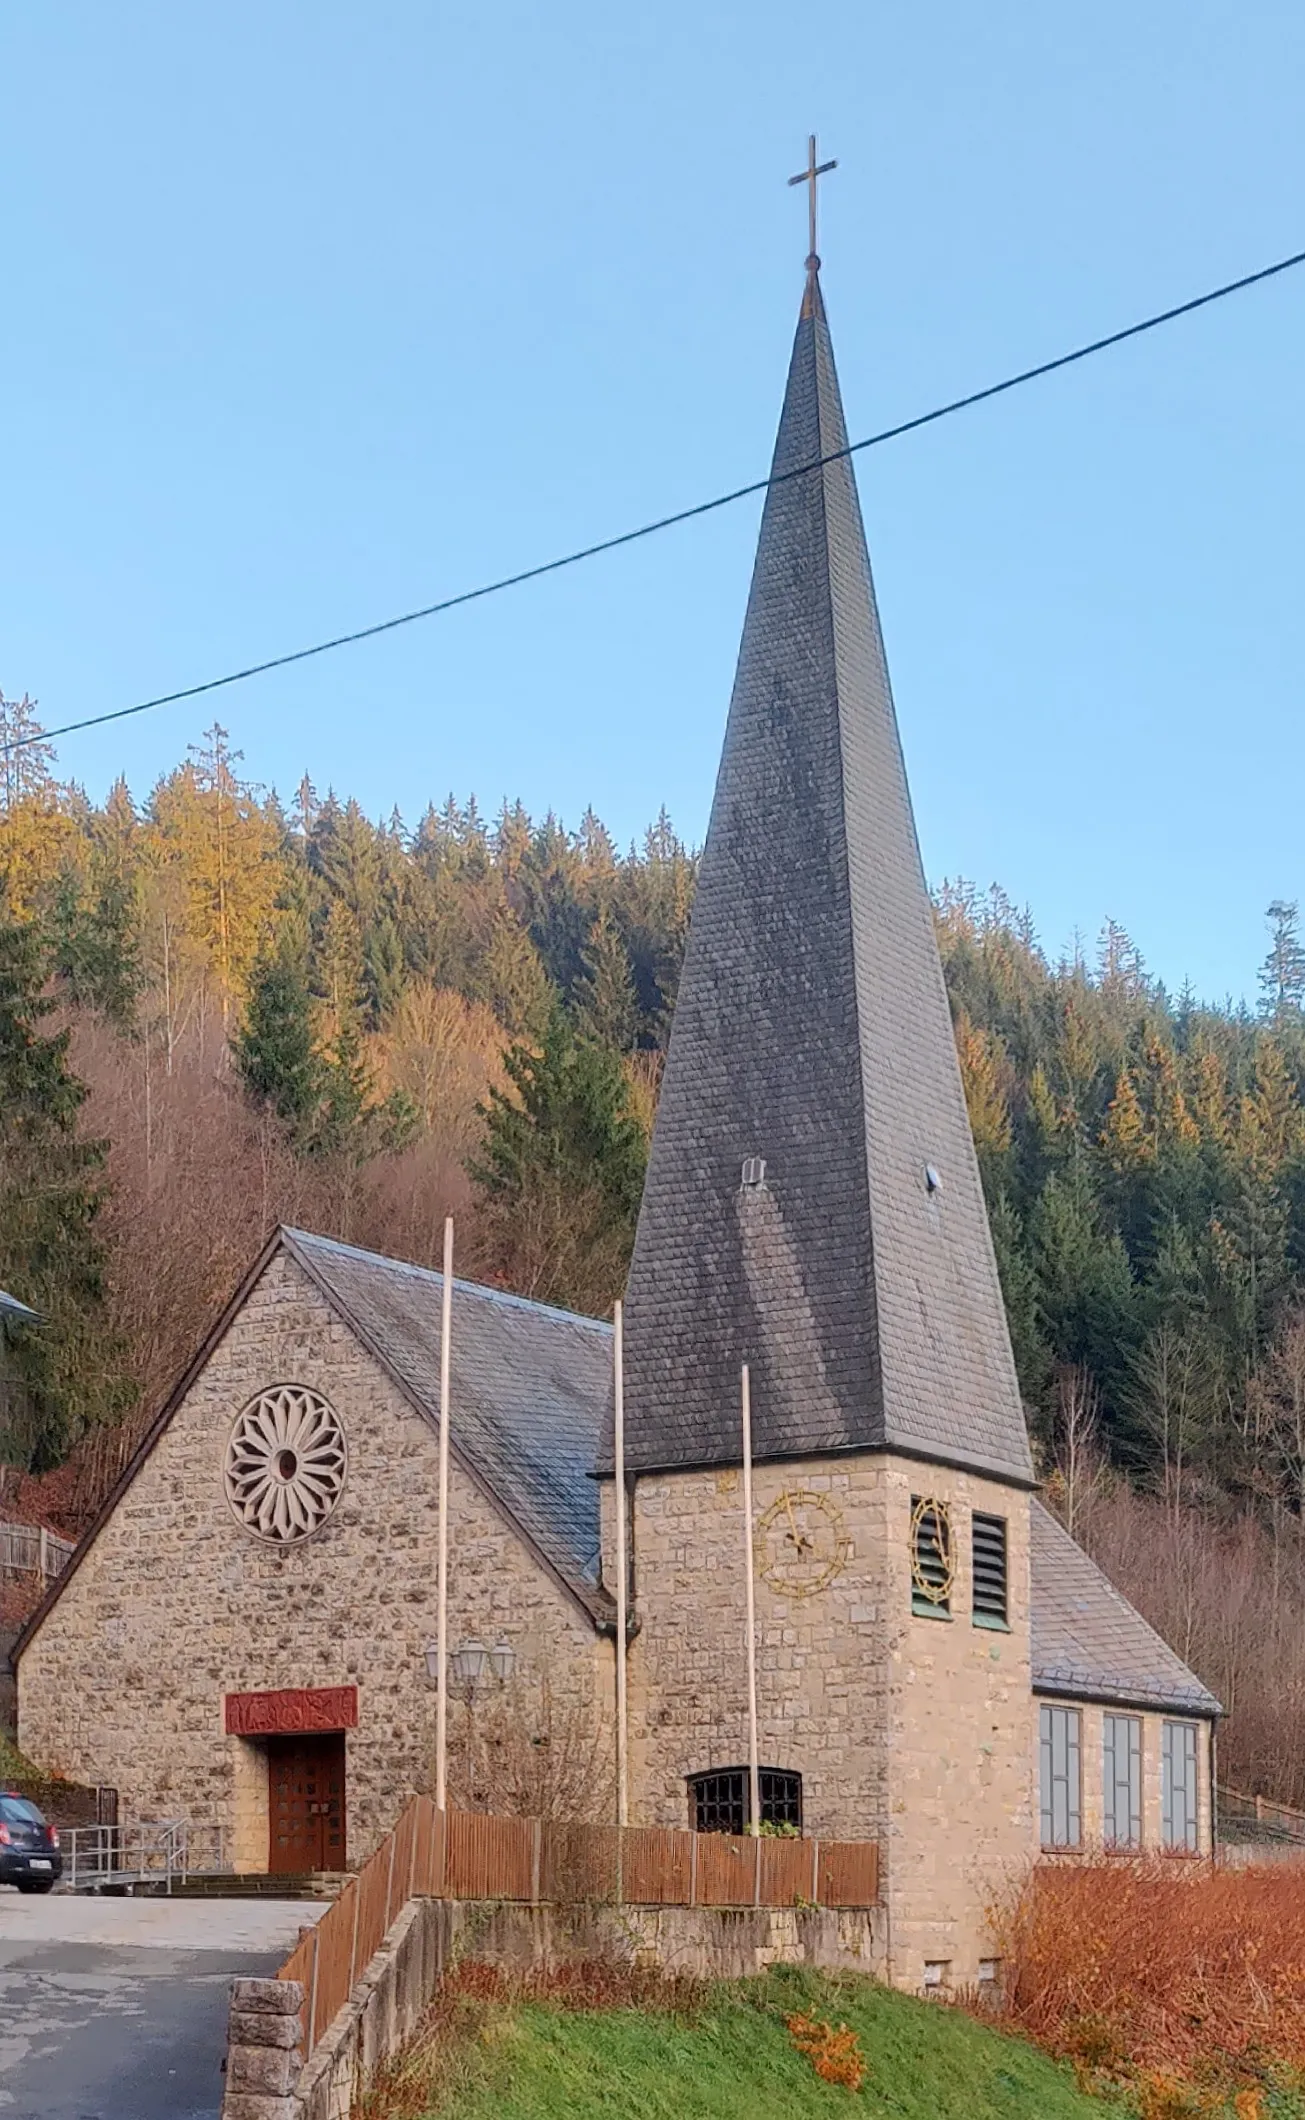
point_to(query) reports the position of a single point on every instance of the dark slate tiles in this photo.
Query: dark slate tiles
(1088, 1642)
(812, 1030)
(530, 1388)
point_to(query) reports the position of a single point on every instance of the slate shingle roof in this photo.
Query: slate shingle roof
(1088, 1642)
(812, 1029)
(529, 1389)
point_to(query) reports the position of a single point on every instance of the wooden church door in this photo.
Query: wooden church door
(306, 1804)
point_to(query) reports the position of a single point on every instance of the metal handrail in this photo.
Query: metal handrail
(160, 1852)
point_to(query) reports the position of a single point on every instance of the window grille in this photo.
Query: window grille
(1121, 1755)
(933, 1566)
(988, 1546)
(1180, 1794)
(1060, 1748)
(718, 1803)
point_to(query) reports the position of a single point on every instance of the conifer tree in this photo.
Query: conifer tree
(1282, 975)
(1124, 1138)
(275, 1053)
(608, 1006)
(560, 1168)
(95, 944)
(63, 1374)
(512, 981)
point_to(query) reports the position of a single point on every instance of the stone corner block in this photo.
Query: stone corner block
(250, 2106)
(263, 2029)
(268, 2071)
(267, 1998)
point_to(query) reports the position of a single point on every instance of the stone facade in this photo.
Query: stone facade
(906, 1729)
(175, 1604)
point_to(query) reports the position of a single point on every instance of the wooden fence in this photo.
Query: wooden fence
(470, 1855)
(29, 1549)
(1259, 1818)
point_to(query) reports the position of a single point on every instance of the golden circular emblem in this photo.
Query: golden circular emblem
(800, 1543)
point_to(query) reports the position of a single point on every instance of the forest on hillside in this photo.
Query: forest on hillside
(220, 1009)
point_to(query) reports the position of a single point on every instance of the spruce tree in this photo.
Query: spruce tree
(1282, 975)
(62, 1374)
(608, 1006)
(275, 1054)
(560, 1170)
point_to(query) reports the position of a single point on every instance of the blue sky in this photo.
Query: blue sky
(313, 313)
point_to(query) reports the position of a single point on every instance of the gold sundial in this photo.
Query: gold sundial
(800, 1543)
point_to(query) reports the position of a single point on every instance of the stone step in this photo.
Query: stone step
(221, 1884)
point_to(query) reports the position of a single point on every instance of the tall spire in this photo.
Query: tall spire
(813, 1204)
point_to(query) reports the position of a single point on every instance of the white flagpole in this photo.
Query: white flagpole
(754, 1768)
(622, 1566)
(442, 1560)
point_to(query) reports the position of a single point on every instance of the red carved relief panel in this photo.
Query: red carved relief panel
(299, 1708)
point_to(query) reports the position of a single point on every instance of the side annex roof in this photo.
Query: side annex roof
(530, 1387)
(1088, 1641)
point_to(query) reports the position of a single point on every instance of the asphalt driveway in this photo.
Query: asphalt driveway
(115, 2009)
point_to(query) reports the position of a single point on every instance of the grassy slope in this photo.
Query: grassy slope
(735, 2062)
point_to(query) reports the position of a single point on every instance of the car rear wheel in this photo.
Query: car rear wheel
(35, 1884)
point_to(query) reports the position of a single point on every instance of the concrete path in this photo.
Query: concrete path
(115, 2009)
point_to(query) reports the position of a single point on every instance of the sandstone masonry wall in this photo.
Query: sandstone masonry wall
(176, 1605)
(913, 1731)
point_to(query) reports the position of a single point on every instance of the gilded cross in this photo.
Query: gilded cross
(809, 176)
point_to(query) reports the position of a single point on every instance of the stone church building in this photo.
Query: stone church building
(245, 1635)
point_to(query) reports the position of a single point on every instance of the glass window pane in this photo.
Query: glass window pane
(1181, 1794)
(1121, 1753)
(1060, 1777)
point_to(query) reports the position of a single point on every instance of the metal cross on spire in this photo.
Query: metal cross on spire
(809, 176)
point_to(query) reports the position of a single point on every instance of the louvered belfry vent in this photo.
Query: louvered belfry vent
(990, 1575)
(932, 1563)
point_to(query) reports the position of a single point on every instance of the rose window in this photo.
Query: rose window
(285, 1463)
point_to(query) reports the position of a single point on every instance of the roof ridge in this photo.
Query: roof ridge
(505, 1296)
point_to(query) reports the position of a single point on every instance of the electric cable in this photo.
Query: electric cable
(681, 515)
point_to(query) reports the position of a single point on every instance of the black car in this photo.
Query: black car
(29, 1847)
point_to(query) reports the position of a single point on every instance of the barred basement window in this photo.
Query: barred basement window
(988, 1548)
(933, 1565)
(718, 1803)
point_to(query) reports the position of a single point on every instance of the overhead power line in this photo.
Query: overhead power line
(682, 515)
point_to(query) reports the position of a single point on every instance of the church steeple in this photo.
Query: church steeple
(812, 1036)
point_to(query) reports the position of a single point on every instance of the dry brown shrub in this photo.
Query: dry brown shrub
(834, 2051)
(1181, 1980)
(522, 1753)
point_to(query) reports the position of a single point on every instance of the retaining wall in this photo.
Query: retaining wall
(388, 2001)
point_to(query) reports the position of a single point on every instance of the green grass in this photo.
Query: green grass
(13, 1767)
(732, 2059)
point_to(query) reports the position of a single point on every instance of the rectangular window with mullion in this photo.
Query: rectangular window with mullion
(1180, 1796)
(1121, 1756)
(1060, 1776)
(989, 1592)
